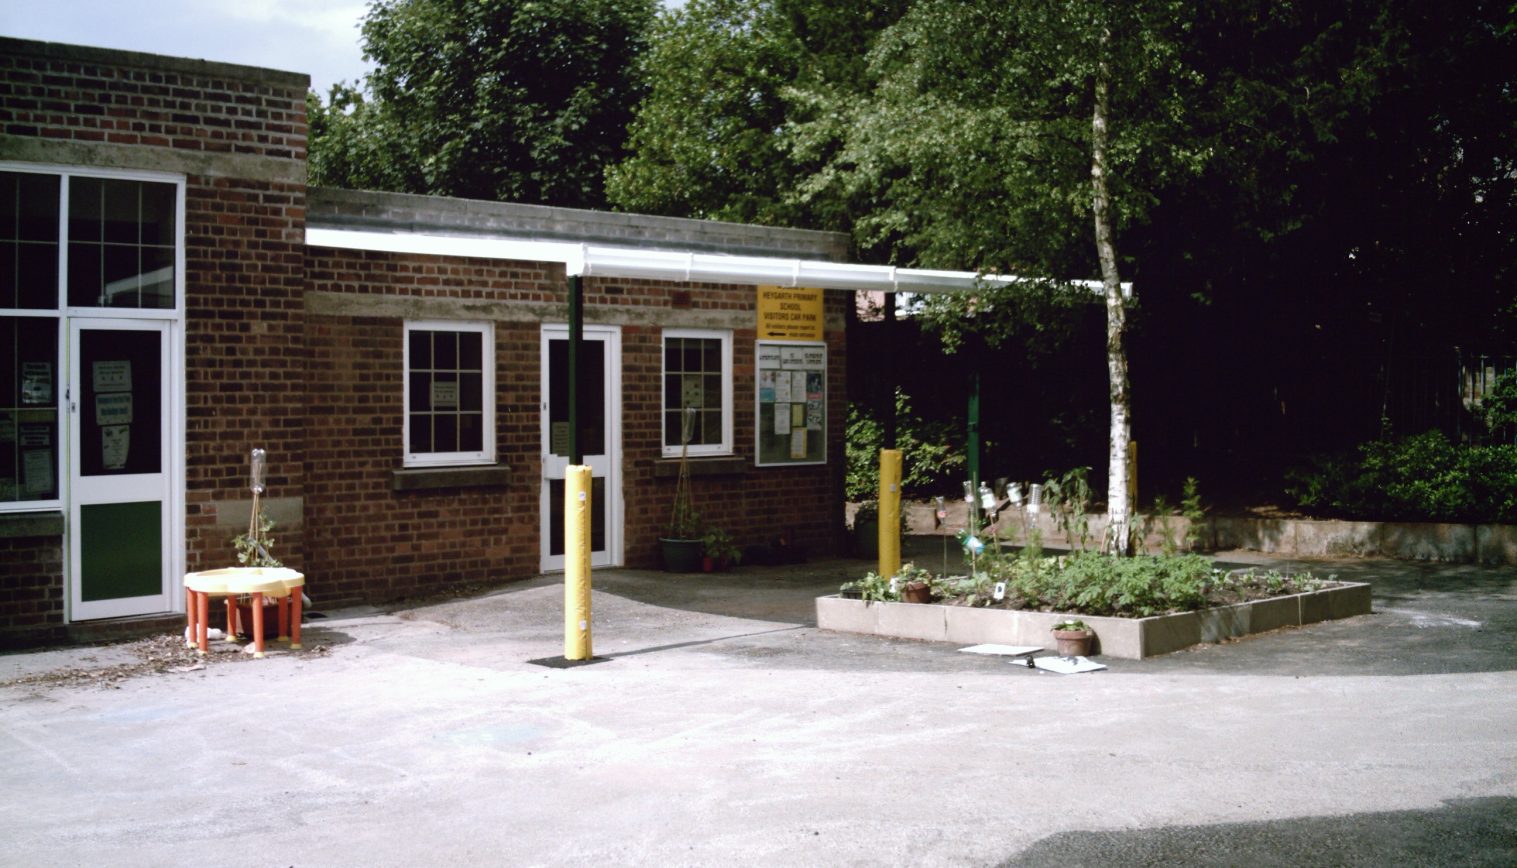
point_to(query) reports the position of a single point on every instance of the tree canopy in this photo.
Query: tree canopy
(519, 100)
(728, 81)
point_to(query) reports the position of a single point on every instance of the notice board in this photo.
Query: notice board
(792, 403)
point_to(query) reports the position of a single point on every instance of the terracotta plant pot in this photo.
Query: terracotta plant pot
(1073, 643)
(916, 592)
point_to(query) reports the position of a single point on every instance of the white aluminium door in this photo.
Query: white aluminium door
(120, 504)
(600, 440)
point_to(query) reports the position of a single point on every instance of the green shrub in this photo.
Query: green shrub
(1422, 478)
(928, 455)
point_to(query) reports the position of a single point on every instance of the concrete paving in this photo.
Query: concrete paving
(723, 728)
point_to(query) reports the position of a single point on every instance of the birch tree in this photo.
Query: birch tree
(994, 132)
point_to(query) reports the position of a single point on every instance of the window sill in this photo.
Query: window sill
(724, 465)
(471, 476)
(15, 525)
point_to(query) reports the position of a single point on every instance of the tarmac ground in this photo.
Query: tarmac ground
(719, 726)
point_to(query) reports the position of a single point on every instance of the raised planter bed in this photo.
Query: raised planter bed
(1126, 638)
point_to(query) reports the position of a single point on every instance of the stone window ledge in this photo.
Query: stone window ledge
(473, 476)
(15, 525)
(668, 468)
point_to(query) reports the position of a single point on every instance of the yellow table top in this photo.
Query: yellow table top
(269, 581)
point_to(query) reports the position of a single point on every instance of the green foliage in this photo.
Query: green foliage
(254, 550)
(1500, 404)
(1068, 500)
(1092, 583)
(929, 456)
(1421, 478)
(872, 587)
(1194, 511)
(712, 138)
(718, 545)
(1071, 624)
(487, 99)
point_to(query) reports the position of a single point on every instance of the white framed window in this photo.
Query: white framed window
(450, 393)
(697, 375)
(73, 240)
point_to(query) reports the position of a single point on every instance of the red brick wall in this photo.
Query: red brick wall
(365, 540)
(245, 354)
(31, 590)
(90, 95)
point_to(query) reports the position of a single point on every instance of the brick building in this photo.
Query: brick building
(172, 294)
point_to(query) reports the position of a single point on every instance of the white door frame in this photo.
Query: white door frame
(607, 466)
(166, 485)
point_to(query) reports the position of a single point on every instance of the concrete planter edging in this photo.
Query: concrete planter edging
(1125, 638)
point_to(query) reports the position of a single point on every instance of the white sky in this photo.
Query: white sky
(317, 37)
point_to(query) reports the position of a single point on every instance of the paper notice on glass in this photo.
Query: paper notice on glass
(798, 443)
(113, 376)
(813, 385)
(813, 415)
(792, 357)
(36, 436)
(36, 383)
(782, 418)
(797, 385)
(113, 408)
(690, 392)
(797, 416)
(444, 395)
(115, 445)
(37, 471)
(768, 356)
(782, 387)
(814, 357)
(766, 387)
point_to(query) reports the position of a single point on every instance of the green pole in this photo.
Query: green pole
(974, 444)
(576, 334)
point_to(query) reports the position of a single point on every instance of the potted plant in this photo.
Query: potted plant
(916, 584)
(253, 551)
(718, 551)
(682, 544)
(1073, 637)
(866, 529)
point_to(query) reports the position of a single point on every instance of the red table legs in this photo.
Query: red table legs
(202, 614)
(295, 619)
(258, 624)
(190, 631)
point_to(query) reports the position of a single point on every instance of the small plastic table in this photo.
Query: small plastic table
(280, 583)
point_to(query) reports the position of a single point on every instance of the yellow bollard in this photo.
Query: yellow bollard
(577, 514)
(890, 512)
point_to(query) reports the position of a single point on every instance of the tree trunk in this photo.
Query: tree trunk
(1118, 510)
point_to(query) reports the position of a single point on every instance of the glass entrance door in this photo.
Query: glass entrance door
(119, 495)
(599, 402)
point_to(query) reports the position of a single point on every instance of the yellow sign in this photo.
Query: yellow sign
(789, 313)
